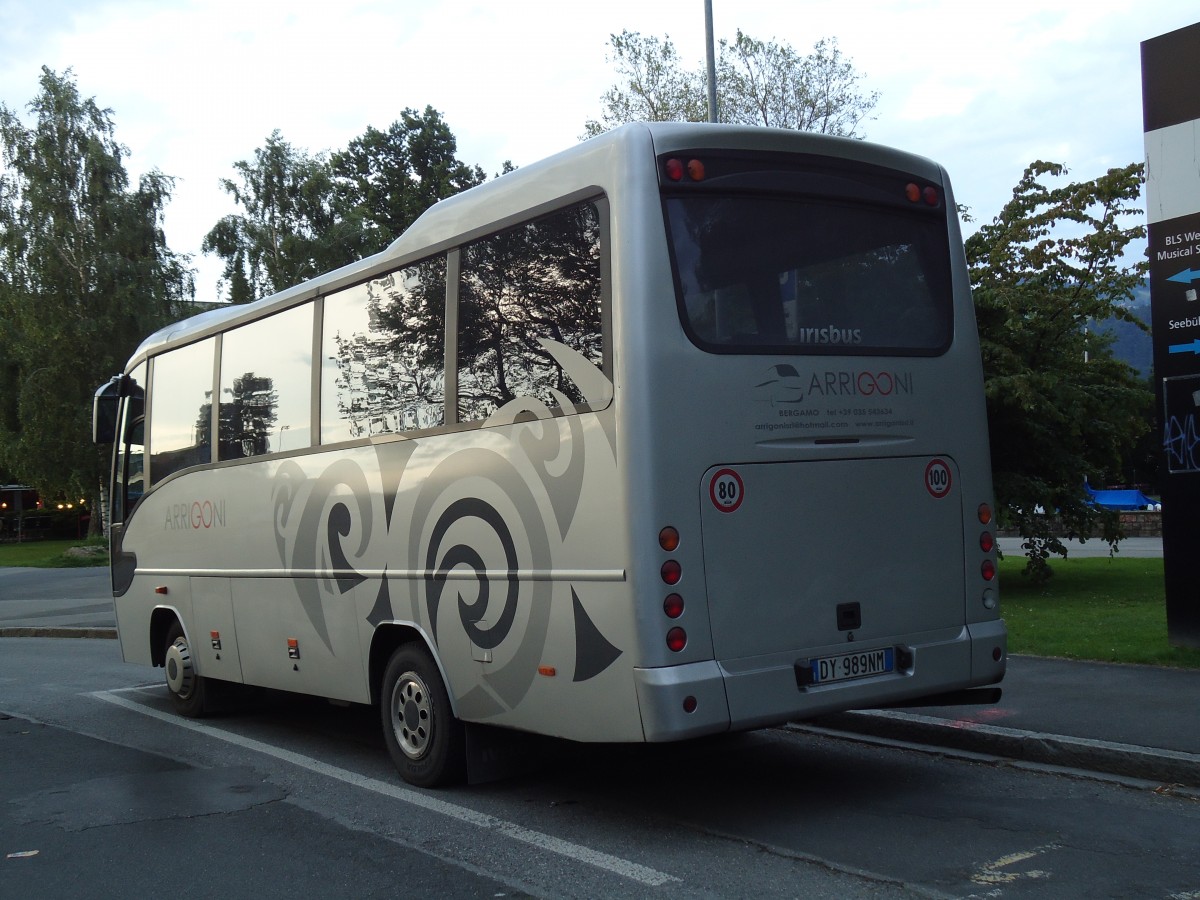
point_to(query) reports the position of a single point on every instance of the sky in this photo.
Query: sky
(194, 86)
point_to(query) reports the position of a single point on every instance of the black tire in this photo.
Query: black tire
(426, 742)
(188, 691)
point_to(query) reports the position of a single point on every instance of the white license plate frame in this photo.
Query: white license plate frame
(853, 666)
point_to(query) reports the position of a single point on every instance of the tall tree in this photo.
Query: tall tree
(288, 231)
(764, 83)
(306, 214)
(1061, 409)
(385, 179)
(758, 83)
(656, 87)
(85, 274)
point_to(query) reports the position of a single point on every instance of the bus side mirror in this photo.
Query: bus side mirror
(104, 411)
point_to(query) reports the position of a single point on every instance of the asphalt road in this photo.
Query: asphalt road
(56, 598)
(106, 792)
(1130, 548)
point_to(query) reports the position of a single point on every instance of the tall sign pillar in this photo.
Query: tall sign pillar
(1171, 115)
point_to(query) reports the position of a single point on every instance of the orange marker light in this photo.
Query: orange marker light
(668, 539)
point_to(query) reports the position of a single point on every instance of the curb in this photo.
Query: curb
(42, 631)
(1128, 760)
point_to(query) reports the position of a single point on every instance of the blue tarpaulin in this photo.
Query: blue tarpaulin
(1119, 500)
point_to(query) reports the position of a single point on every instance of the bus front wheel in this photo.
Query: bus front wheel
(425, 740)
(188, 691)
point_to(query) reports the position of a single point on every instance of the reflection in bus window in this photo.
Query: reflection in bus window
(538, 280)
(382, 359)
(181, 409)
(266, 385)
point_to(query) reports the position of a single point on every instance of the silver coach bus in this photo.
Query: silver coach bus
(680, 431)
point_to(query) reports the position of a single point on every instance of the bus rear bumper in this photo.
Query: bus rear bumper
(663, 699)
(764, 691)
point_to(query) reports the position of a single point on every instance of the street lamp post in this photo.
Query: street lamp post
(712, 63)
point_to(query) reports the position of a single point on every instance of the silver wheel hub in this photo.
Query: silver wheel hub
(412, 715)
(181, 675)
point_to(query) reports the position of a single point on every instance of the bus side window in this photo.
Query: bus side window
(266, 385)
(181, 409)
(129, 484)
(132, 482)
(383, 361)
(541, 279)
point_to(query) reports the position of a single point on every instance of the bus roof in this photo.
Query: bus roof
(593, 165)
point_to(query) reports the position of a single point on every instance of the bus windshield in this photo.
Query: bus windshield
(780, 274)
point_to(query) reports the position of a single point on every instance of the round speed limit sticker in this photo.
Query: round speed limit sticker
(937, 478)
(726, 490)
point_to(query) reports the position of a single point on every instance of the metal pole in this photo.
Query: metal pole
(712, 65)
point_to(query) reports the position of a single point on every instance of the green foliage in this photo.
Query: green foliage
(1060, 408)
(287, 233)
(85, 274)
(758, 83)
(764, 83)
(657, 87)
(307, 214)
(384, 180)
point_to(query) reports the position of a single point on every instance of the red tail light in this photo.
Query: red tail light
(668, 539)
(676, 639)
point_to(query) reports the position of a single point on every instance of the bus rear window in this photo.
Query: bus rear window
(780, 274)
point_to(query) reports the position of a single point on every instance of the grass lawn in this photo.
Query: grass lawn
(51, 554)
(1111, 610)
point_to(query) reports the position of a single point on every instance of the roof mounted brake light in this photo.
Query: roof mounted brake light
(929, 194)
(678, 170)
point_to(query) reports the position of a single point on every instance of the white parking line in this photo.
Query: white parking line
(607, 862)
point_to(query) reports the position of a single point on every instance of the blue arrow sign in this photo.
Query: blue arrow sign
(1193, 347)
(1187, 276)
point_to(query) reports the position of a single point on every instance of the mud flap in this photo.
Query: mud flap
(497, 753)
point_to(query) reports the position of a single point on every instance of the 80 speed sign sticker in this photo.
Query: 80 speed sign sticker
(726, 490)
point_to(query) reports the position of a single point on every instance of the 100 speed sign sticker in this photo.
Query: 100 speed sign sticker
(937, 478)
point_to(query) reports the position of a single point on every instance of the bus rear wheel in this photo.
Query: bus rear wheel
(425, 740)
(187, 690)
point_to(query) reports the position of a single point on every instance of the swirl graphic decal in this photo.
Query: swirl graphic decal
(481, 525)
(465, 529)
(470, 614)
(316, 549)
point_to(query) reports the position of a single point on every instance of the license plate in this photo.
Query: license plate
(848, 666)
